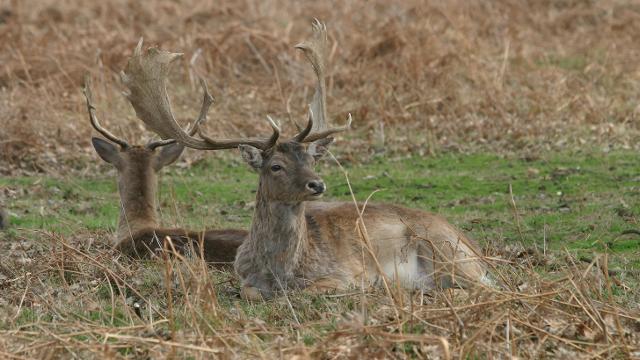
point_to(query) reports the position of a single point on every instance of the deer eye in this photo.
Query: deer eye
(276, 167)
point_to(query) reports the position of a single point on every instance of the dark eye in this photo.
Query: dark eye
(275, 168)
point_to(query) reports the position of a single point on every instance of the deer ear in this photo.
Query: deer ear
(319, 148)
(107, 151)
(252, 155)
(168, 155)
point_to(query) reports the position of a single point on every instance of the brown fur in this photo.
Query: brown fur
(296, 243)
(139, 233)
(219, 246)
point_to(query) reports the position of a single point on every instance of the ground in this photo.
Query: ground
(551, 224)
(517, 121)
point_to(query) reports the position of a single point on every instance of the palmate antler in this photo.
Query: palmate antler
(208, 100)
(146, 78)
(315, 50)
(195, 127)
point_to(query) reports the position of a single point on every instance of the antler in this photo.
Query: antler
(94, 119)
(315, 50)
(146, 77)
(204, 110)
(262, 144)
(305, 135)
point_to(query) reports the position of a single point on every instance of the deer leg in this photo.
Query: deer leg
(251, 293)
(324, 285)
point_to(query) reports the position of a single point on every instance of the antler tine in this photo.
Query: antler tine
(146, 76)
(315, 50)
(207, 101)
(305, 132)
(94, 119)
(327, 132)
(262, 144)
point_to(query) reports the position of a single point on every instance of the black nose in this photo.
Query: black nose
(316, 186)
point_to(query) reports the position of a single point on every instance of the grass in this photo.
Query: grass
(579, 200)
(515, 120)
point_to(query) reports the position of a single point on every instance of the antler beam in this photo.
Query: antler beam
(146, 77)
(207, 101)
(94, 119)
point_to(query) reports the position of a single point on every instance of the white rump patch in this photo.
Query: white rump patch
(487, 280)
(403, 268)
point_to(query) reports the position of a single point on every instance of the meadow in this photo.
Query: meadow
(516, 120)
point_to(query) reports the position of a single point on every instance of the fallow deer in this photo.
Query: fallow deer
(296, 241)
(139, 233)
(4, 219)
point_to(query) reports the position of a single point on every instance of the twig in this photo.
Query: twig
(162, 342)
(24, 294)
(515, 212)
(255, 51)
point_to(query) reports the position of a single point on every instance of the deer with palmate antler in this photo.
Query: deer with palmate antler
(4, 219)
(296, 241)
(139, 233)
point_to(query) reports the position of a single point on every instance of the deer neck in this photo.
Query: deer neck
(137, 204)
(279, 236)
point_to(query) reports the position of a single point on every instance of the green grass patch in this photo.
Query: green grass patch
(579, 200)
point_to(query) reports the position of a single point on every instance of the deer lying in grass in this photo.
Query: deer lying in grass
(138, 231)
(296, 241)
(4, 219)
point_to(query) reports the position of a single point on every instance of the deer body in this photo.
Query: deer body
(401, 239)
(295, 242)
(139, 232)
(323, 249)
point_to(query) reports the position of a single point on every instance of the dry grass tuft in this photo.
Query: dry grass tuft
(418, 76)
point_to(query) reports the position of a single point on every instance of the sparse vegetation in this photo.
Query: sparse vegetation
(515, 120)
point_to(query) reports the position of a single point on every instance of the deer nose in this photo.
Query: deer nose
(316, 186)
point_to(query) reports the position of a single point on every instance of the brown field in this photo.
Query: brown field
(419, 77)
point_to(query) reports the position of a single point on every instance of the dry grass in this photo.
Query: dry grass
(517, 75)
(73, 299)
(418, 77)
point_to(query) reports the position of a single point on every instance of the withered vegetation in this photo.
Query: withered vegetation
(84, 300)
(418, 76)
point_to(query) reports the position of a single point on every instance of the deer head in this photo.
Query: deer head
(286, 169)
(134, 162)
